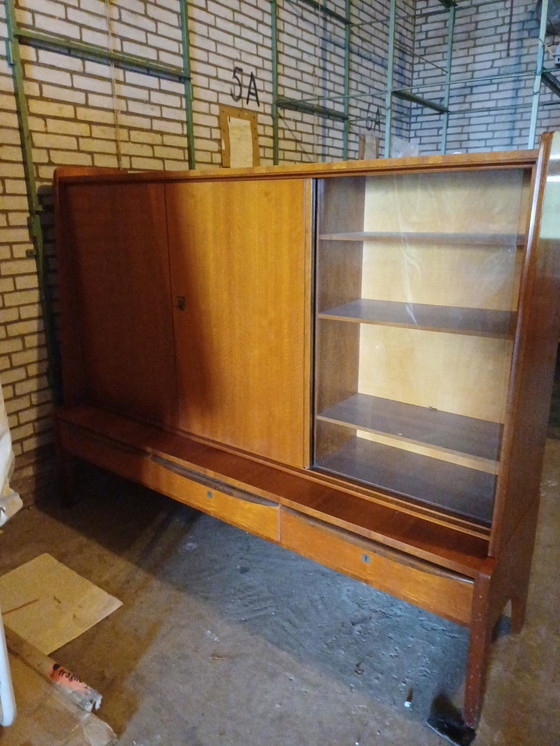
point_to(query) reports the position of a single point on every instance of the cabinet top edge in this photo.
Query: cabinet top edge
(493, 159)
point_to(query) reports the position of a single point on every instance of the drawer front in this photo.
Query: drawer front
(124, 460)
(254, 514)
(435, 589)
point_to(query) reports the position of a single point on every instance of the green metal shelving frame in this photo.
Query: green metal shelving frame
(542, 75)
(407, 94)
(308, 107)
(18, 36)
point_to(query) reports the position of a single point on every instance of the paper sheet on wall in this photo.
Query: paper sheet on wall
(48, 604)
(240, 142)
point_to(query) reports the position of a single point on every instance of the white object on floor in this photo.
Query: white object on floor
(7, 700)
(10, 503)
(48, 604)
(45, 716)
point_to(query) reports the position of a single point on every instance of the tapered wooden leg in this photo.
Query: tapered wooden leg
(518, 609)
(479, 650)
(68, 479)
(67, 470)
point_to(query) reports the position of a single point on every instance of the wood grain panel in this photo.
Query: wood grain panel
(448, 202)
(418, 583)
(480, 322)
(535, 353)
(457, 433)
(429, 536)
(240, 255)
(466, 491)
(485, 208)
(117, 249)
(109, 453)
(259, 516)
(456, 373)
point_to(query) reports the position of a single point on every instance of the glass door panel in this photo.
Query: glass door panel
(416, 301)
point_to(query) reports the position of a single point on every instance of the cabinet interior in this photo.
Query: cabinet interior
(417, 290)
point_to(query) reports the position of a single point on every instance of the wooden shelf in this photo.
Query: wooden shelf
(453, 319)
(469, 239)
(461, 490)
(423, 425)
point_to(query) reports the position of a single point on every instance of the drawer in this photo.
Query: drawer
(254, 514)
(431, 587)
(113, 455)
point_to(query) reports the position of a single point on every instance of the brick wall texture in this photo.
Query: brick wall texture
(84, 112)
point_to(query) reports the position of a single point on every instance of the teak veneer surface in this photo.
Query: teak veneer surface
(453, 319)
(436, 543)
(113, 235)
(454, 487)
(466, 161)
(422, 424)
(241, 330)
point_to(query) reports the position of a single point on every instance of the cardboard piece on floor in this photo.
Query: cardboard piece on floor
(45, 716)
(48, 604)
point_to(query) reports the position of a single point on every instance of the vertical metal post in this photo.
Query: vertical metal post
(347, 49)
(390, 74)
(187, 81)
(274, 51)
(538, 73)
(447, 82)
(35, 208)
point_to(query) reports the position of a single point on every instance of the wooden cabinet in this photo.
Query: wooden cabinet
(354, 360)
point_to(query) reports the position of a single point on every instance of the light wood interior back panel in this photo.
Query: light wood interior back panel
(456, 373)
(456, 241)
(239, 263)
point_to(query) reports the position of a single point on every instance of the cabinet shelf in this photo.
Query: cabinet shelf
(470, 239)
(454, 319)
(459, 489)
(422, 425)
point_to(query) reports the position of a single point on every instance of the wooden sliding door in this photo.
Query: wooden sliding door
(239, 267)
(118, 323)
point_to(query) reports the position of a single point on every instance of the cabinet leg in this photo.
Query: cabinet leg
(479, 651)
(518, 608)
(67, 477)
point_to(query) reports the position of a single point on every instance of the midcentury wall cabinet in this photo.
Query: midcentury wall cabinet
(354, 360)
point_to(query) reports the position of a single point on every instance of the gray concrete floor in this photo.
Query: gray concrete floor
(225, 639)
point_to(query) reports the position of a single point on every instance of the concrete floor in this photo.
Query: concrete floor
(227, 640)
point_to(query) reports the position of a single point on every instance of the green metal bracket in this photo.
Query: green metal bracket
(408, 96)
(441, 108)
(326, 11)
(347, 50)
(187, 82)
(538, 74)
(59, 43)
(35, 208)
(390, 77)
(274, 50)
(551, 82)
(307, 108)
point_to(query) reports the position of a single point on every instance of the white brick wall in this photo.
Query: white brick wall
(492, 115)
